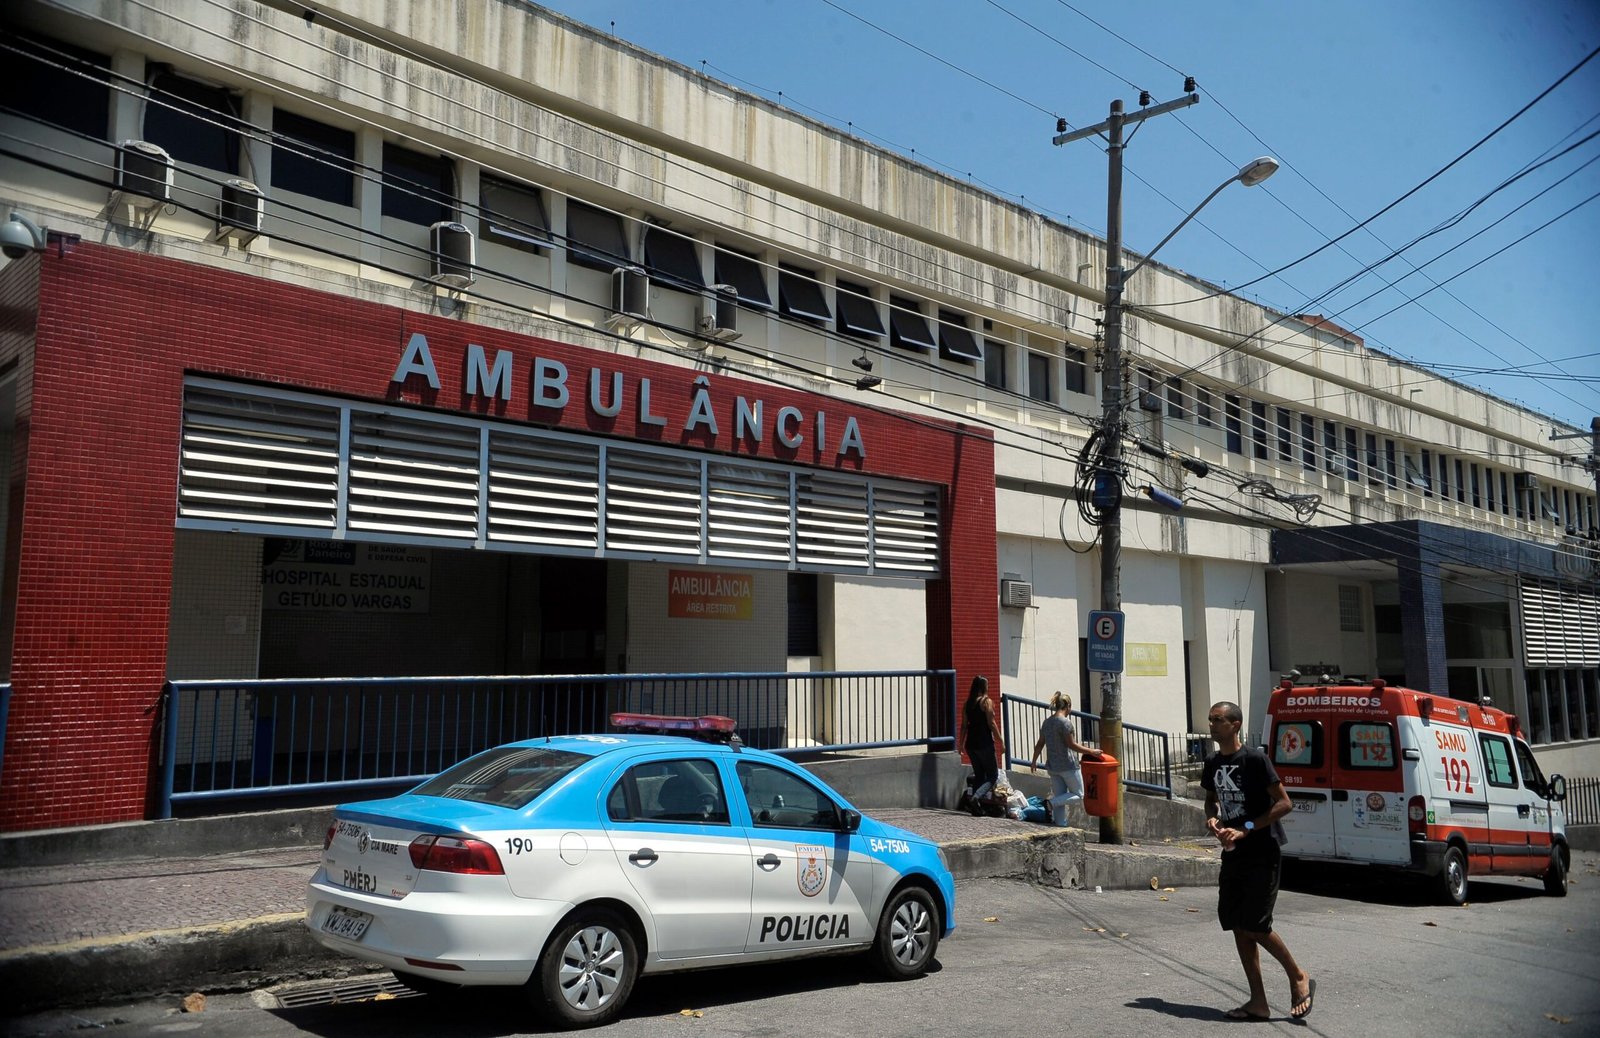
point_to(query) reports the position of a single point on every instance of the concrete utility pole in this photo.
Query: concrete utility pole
(1108, 478)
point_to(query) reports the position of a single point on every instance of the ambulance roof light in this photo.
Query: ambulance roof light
(706, 727)
(1378, 684)
(1515, 724)
(1425, 706)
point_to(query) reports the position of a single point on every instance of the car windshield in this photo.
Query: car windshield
(509, 776)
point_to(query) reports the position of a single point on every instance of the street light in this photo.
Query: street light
(1111, 426)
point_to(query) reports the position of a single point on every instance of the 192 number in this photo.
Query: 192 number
(1457, 774)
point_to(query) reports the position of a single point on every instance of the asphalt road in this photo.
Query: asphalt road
(1030, 960)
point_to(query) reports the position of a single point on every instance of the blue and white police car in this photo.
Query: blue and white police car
(572, 864)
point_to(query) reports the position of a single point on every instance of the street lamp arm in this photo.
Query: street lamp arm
(1249, 175)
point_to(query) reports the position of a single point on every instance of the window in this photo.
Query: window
(1391, 475)
(595, 238)
(800, 295)
(1202, 406)
(908, 329)
(417, 188)
(1230, 409)
(1497, 767)
(1285, 434)
(1427, 474)
(994, 363)
(671, 260)
(1258, 427)
(1505, 493)
(1374, 474)
(780, 799)
(1077, 370)
(1444, 478)
(683, 791)
(1488, 489)
(1297, 743)
(507, 776)
(1330, 448)
(1461, 481)
(804, 636)
(746, 275)
(1041, 380)
(1352, 459)
(1308, 443)
(955, 339)
(1350, 608)
(1416, 476)
(1175, 405)
(1532, 777)
(77, 97)
(858, 314)
(313, 158)
(196, 123)
(512, 214)
(1477, 490)
(1368, 746)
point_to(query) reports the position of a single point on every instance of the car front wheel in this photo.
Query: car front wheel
(1555, 877)
(908, 934)
(587, 971)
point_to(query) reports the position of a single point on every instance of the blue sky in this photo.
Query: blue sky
(1362, 102)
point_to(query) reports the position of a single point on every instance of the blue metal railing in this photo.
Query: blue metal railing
(227, 740)
(1146, 763)
(5, 715)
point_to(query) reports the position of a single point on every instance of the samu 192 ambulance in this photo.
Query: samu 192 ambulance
(1391, 777)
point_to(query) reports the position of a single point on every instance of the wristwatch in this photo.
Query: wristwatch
(1250, 826)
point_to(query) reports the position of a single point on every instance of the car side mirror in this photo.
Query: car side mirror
(1558, 787)
(850, 819)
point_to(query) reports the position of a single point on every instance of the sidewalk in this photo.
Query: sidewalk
(84, 921)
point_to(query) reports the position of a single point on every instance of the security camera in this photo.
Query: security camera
(20, 236)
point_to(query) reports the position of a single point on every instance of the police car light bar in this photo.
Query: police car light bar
(709, 727)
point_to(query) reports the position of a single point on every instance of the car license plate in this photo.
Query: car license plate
(1308, 806)
(346, 922)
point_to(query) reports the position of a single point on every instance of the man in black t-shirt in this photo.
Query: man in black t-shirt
(1244, 800)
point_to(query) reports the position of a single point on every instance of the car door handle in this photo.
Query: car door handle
(1522, 810)
(1341, 794)
(644, 856)
(769, 861)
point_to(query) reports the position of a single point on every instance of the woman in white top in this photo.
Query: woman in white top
(1061, 762)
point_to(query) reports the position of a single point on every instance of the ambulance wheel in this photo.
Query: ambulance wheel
(908, 934)
(1453, 877)
(587, 970)
(1555, 877)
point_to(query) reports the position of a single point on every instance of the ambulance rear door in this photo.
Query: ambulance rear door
(1368, 801)
(1300, 756)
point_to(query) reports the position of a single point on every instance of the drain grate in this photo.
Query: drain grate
(335, 992)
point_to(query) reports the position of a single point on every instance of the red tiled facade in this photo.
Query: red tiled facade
(101, 340)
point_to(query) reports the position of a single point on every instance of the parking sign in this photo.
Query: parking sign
(1105, 641)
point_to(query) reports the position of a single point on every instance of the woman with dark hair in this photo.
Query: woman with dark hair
(983, 733)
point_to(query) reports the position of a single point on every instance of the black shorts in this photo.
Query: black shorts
(1247, 891)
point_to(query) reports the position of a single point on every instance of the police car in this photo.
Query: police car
(570, 865)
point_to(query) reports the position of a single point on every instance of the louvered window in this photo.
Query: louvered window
(544, 490)
(747, 512)
(905, 527)
(831, 522)
(652, 503)
(253, 459)
(409, 475)
(1560, 625)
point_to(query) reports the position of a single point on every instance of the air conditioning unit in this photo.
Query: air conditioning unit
(453, 254)
(144, 174)
(240, 211)
(719, 313)
(630, 297)
(1016, 594)
(1525, 481)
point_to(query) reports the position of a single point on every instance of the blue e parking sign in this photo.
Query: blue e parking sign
(1105, 641)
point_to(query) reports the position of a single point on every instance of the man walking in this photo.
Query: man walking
(1244, 800)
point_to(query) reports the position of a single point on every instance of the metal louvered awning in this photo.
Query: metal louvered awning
(265, 460)
(1560, 625)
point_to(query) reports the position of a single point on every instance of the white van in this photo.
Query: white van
(1393, 777)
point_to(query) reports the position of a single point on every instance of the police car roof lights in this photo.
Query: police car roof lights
(706, 727)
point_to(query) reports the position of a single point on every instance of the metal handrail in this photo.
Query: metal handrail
(1147, 759)
(235, 739)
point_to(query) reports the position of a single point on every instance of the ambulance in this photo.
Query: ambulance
(1391, 777)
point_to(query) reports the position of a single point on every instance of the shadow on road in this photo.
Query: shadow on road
(1380, 887)
(1181, 1010)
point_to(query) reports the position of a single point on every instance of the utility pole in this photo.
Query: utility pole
(1111, 422)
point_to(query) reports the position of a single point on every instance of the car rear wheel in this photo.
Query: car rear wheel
(1555, 877)
(587, 970)
(1453, 877)
(908, 934)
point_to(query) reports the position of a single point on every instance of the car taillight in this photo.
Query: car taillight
(1417, 814)
(327, 841)
(448, 854)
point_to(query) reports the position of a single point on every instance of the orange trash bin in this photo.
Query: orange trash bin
(1102, 784)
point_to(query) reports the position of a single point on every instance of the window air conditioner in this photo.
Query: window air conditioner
(630, 297)
(144, 174)
(719, 313)
(453, 255)
(240, 211)
(1525, 481)
(1016, 594)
